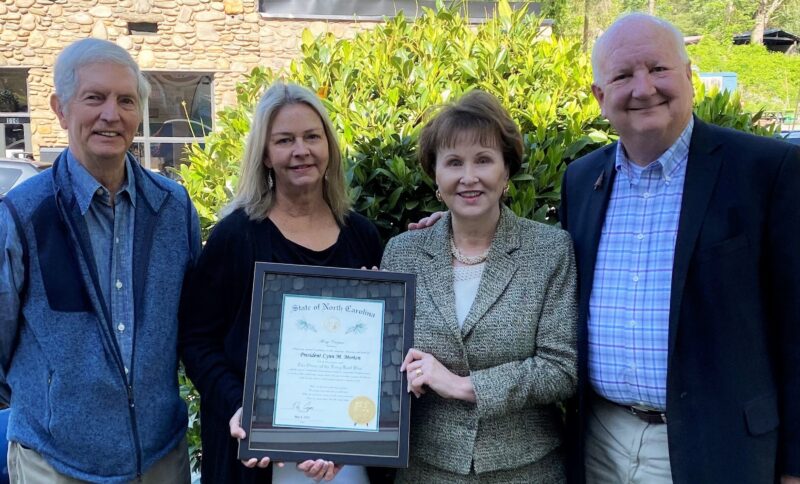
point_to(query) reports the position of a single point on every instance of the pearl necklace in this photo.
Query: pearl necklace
(469, 260)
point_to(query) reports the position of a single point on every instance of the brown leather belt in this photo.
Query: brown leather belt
(648, 415)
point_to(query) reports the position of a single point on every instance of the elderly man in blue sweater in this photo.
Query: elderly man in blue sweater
(92, 257)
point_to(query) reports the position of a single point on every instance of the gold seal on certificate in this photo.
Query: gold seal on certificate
(362, 410)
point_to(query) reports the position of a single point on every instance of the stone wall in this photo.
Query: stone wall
(226, 37)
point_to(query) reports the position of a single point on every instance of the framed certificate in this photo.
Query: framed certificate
(323, 365)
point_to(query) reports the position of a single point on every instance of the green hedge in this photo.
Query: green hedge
(767, 80)
(381, 85)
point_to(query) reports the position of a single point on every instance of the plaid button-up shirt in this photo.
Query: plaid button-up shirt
(629, 304)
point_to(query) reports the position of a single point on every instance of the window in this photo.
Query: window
(178, 113)
(15, 121)
(369, 9)
(13, 90)
(142, 28)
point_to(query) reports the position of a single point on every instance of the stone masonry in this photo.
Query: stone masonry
(225, 37)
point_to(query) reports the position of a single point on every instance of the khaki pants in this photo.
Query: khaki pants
(623, 449)
(26, 466)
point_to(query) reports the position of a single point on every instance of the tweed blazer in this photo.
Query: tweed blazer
(517, 344)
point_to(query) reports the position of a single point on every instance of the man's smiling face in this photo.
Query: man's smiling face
(102, 116)
(644, 87)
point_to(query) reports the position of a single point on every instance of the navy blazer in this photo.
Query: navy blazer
(733, 380)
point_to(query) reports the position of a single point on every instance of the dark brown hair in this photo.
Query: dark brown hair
(480, 116)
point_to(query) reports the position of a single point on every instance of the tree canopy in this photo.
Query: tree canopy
(767, 80)
(721, 18)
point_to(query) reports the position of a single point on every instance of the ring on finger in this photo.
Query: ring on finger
(418, 372)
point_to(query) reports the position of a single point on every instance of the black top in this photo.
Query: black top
(215, 320)
(358, 245)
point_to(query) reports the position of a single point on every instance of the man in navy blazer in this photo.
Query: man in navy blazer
(687, 240)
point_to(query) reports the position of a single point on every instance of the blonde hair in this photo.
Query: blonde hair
(253, 193)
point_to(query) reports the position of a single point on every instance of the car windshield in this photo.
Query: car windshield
(7, 178)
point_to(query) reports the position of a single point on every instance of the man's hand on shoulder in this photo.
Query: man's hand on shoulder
(426, 221)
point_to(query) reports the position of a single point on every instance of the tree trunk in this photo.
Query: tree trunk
(730, 9)
(586, 4)
(652, 7)
(766, 9)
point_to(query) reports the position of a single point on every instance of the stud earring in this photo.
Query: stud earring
(438, 195)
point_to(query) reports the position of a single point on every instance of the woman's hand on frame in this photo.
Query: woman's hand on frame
(424, 370)
(319, 470)
(237, 432)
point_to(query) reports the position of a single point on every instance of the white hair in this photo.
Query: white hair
(92, 51)
(253, 193)
(600, 46)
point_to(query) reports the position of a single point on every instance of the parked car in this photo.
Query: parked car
(13, 172)
(4, 448)
(791, 137)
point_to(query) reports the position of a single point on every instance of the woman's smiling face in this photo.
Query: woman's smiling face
(297, 148)
(471, 177)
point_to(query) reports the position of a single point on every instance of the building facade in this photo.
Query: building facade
(192, 51)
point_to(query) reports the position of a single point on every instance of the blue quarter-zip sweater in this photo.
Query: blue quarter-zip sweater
(70, 398)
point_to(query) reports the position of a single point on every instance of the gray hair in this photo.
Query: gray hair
(253, 193)
(600, 46)
(92, 51)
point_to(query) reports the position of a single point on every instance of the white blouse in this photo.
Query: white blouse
(466, 280)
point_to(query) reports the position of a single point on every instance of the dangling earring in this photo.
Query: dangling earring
(505, 190)
(438, 195)
(270, 181)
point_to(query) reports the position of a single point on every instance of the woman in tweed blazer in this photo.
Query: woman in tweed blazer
(494, 338)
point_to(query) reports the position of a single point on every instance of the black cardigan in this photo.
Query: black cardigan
(215, 319)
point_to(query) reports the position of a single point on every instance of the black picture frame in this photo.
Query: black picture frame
(386, 444)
